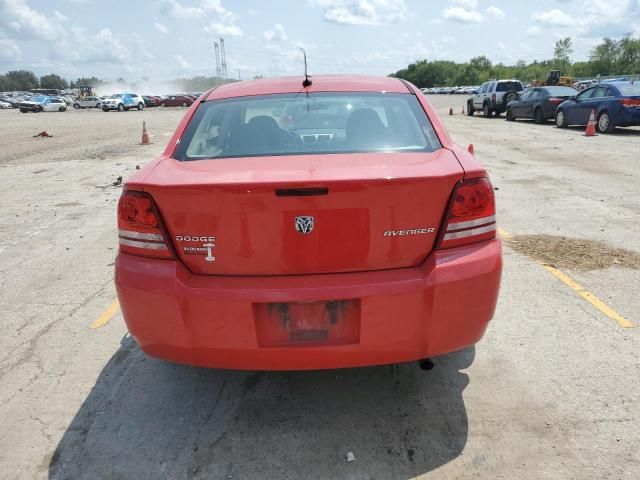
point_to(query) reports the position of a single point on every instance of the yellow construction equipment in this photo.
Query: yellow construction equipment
(554, 78)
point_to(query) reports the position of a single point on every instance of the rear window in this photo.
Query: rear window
(629, 89)
(298, 124)
(508, 86)
(561, 91)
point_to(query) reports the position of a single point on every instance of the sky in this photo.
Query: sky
(168, 39)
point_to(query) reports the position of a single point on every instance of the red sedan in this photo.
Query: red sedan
(176, 101)
(291, 227)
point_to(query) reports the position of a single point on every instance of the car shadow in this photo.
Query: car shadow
(147, 419)
(618, 132)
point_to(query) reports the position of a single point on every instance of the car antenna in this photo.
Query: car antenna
(307, 79)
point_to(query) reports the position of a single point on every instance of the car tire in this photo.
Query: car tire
(486, 111)
(561, 119)
(62, 109)
(121, 107)
(511, 95)
(604, 124)
(140, 106)
(38, 109)
(470, 109)
(105, 109)
(510, 117)
(76, 106)
(497, 113)
(24, 110)
(538, 116)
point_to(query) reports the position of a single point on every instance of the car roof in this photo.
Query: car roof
(320, 83)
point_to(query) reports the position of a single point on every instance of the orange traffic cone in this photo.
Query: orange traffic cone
(591, 126)
(451, 111)
(145, 135)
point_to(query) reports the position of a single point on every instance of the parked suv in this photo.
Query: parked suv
(493, 97)
(123, 101)
(43, 103)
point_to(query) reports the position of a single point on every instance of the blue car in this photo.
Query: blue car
(616, 104)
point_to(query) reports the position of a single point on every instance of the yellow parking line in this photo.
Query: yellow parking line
(107, 315)
(589, 297)
(504, 234)
(579, 289)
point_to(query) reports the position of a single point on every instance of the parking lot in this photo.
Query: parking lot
(551, 392)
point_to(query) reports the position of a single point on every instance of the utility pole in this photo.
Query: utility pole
(223, 58)
(218, 70)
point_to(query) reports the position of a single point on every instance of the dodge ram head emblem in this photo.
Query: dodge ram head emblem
(304, 224)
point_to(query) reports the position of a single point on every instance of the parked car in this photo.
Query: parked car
(5, 105)
(493, 96)
(150, 101)
(87, 102)
(43, 103)
(176, 101)
(539, 103)
(615, 104)
(14, 102)
(244, 246)
(122, 102)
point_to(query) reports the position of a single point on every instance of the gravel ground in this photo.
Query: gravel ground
(80, 134)
(551, 392)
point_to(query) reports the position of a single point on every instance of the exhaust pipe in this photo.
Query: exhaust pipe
(426, 364)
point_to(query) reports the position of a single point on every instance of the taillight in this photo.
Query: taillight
(472, 214)
(630, 102)
(556, 100)
(139, 226)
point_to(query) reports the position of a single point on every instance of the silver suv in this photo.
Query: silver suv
(123, 101)
(493, 96)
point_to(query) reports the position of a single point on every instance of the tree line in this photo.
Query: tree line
(24, 80)
(610, 57)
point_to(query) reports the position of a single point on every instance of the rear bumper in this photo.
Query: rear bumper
(405, 314)
(628, 118)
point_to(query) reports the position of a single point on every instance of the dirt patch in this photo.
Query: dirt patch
(573, 253)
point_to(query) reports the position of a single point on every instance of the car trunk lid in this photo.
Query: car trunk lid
(304, 214)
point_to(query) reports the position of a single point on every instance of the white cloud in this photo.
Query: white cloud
(533, 31)
(467, 4)
(459, 14)
(609, 19)
(276, 35)
(494, 12)
(555, 18)
(26, 23)
(362, 12)
(214, 6)
(181, 61)
(175, 9)
(60, 17)
(219, 28)
(160, 27)
(9, 49)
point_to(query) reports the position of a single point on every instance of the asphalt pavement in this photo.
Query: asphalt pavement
(551, 392)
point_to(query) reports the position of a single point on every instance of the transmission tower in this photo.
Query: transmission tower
(218, 69)
(224, 58)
